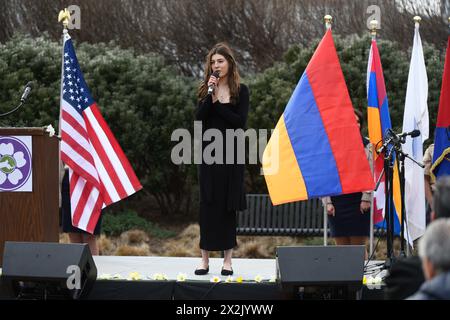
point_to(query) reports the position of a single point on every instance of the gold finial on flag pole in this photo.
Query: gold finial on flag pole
(417, 20)
(373, 28)
(328, 19)
(64, 16)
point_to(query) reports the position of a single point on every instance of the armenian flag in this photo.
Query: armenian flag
(441, 156)
(379, 122)
(316, 149)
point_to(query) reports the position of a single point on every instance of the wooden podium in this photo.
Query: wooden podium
(33, 216)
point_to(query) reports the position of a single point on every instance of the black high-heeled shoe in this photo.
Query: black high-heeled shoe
(201, 272)
(226, 272)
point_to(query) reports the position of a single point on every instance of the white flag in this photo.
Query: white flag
(415, 117)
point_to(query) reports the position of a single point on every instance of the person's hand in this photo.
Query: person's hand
(330, 210)
(364, 206)
(213, 81)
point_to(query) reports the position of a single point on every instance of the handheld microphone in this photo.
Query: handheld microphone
(211, 87)
(26, 91)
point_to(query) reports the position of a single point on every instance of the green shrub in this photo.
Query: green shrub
(115, 224)
(143, 98)
(316, 241)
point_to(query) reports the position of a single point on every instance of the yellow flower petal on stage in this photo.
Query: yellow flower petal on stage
(215, 279)
(181, 277)
(229, 279)
(134, 276)
(159, 276)
(239, 279)
(258, 278)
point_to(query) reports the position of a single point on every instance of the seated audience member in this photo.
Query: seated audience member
(434, 251)
(404, 279)
(406, 275)
(441, 202)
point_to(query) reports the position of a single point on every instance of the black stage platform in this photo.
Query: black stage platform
(114, 281)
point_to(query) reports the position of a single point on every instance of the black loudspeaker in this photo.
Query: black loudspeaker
(320, 272)
(40, 270)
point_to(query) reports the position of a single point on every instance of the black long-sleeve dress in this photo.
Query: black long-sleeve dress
(221, 184)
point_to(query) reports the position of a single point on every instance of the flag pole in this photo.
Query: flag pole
(373, 32)
(405, 221)
(64, 17)
(328, 20)
(373, 29)
(417, 20)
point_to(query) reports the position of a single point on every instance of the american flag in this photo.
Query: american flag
(99, 171)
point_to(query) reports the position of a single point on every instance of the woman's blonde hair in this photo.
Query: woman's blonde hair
(233, 75)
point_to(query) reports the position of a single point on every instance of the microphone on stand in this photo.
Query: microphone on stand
(413, 134)
(26, 91)
(211, 88)
(25, 94)
(392, 137)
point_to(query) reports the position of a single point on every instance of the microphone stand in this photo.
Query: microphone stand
(379, 180)
(388, 212)
(401, 156)
(24, 97)
(401, 162)
(393, 150)
(2, 122)
(13, 110)
(387, 172)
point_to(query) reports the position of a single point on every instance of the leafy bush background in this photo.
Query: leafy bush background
(143, 99)
(115, 224)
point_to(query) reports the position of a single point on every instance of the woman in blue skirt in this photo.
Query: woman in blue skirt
(349, 214)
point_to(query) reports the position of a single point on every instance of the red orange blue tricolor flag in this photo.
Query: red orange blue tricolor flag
(316, 149)
(379, 121)
(99, 171)
(441, 157)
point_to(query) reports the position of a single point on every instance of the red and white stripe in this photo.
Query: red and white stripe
(100, 173)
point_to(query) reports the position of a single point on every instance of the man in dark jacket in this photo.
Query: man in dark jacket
(434, 250)
(406, 274)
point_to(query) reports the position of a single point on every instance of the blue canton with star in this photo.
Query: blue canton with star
(75, 90)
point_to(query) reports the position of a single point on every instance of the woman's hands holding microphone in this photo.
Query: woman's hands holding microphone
(213, 82)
